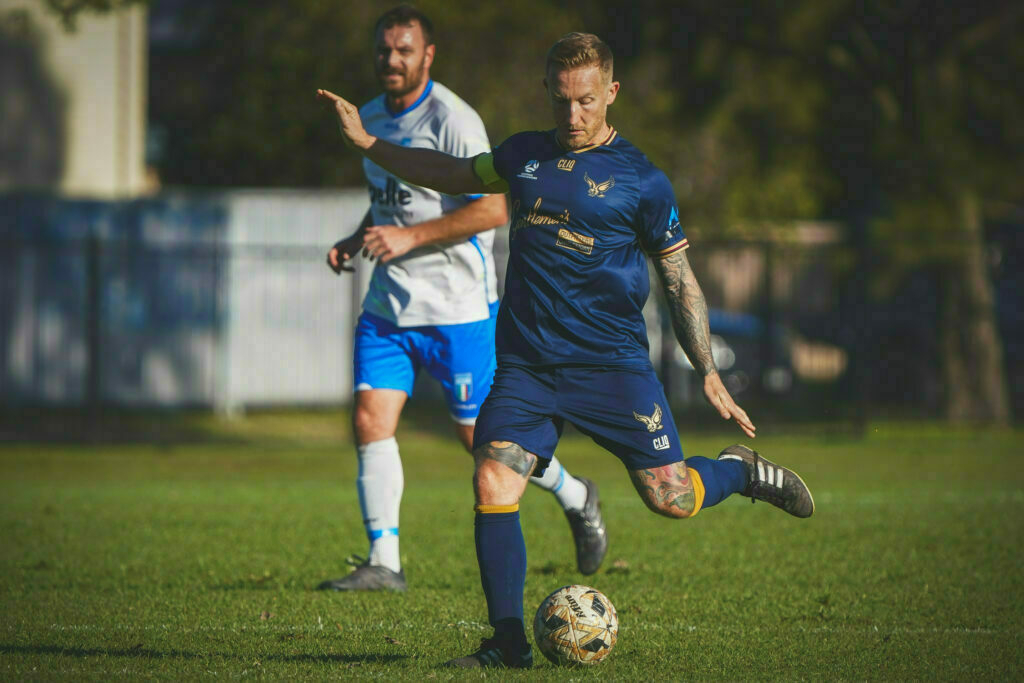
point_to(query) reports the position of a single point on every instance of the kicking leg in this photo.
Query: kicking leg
(684, 488)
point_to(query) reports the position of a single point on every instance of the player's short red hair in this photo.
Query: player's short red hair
(575, 50)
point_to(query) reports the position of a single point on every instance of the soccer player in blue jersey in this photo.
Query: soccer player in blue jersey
(588, 210)
(431, 301)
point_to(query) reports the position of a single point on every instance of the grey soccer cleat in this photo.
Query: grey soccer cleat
(771, 483)
(367, 577)
(494, 653)
(588, 531)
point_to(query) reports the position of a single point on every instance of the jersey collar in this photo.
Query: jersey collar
(612, 134)
(418, 102)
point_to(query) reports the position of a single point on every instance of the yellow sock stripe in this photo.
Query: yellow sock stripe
(492, 509)
(698, 490)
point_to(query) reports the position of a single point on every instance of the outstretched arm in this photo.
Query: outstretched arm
(424, 167)
(689, 313)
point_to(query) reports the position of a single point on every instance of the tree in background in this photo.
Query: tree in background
(233, 83)
(906, 114)
(904, 118)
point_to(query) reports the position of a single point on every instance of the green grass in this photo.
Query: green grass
(196, 560)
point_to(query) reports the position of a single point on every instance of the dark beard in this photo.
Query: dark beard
(413, 80)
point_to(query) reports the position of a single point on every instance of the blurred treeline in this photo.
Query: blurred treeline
(901, 119)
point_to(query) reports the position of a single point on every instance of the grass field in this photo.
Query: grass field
(196, 559)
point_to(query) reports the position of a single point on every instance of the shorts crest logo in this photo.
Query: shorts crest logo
(661, 443)
(463, 385)
(652, 422)
(531, 166)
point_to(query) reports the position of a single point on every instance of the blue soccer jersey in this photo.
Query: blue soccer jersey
(583, 223)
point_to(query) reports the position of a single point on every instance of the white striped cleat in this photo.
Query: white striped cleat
(771, 483)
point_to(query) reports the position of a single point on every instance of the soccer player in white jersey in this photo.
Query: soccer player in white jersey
(432, 300)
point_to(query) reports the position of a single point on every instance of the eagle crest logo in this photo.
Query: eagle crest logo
(595, 189)
(653, 423)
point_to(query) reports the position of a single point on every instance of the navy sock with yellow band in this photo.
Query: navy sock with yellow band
(501, 554)
(715, 480)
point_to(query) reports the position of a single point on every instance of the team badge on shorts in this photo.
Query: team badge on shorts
(463, 384)
(652, 422)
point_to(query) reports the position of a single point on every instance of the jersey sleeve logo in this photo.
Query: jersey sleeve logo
(652, 422)
(531, 166)
(595, 189)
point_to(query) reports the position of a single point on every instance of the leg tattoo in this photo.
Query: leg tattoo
(667, 490)
(511, 455)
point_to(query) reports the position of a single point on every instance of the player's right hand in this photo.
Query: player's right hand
(341, 253)
(348, 120)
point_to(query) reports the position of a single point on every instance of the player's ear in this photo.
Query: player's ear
(613, 90)
(428, 56)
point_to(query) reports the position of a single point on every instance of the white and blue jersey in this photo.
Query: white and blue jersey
(440, 284)
(434, 307)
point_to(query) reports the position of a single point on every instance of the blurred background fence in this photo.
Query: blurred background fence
(221, 300)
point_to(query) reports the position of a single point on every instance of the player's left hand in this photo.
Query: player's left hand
(718, 396)
(386, 242)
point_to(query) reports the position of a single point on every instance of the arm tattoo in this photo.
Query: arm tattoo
(688, 309)
(663, 488)
(510, 455)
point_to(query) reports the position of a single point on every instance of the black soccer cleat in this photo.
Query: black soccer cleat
(495, 653)
(771, 483)
(367, 577)
(588, 531)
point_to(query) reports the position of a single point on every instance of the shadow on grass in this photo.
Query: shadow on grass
(140, 652)
(370, 658)
(102, 427)
(134, 652)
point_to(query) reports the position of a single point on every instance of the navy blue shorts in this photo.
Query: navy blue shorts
(623, 410)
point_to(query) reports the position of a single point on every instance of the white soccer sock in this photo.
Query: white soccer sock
(570, 491)
(380, 485)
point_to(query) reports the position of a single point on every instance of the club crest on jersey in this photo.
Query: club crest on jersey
(652, 422)
(595, 189)
(566, 164)
(463, 382)
(531, 166)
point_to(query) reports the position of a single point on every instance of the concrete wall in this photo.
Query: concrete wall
(74, 102)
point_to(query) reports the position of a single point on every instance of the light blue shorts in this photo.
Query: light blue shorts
(460, 357)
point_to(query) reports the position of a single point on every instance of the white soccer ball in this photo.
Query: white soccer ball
(576, 625)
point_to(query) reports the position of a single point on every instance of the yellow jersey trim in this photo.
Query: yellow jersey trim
(612, 134)
(698, 490)
(483, 167)
(685, 244)
(493, 509)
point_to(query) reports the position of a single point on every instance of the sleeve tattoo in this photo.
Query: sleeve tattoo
(688, 309)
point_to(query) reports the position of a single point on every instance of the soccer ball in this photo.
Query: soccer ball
(575, 625)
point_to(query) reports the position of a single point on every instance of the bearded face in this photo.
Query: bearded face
(402, 59)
